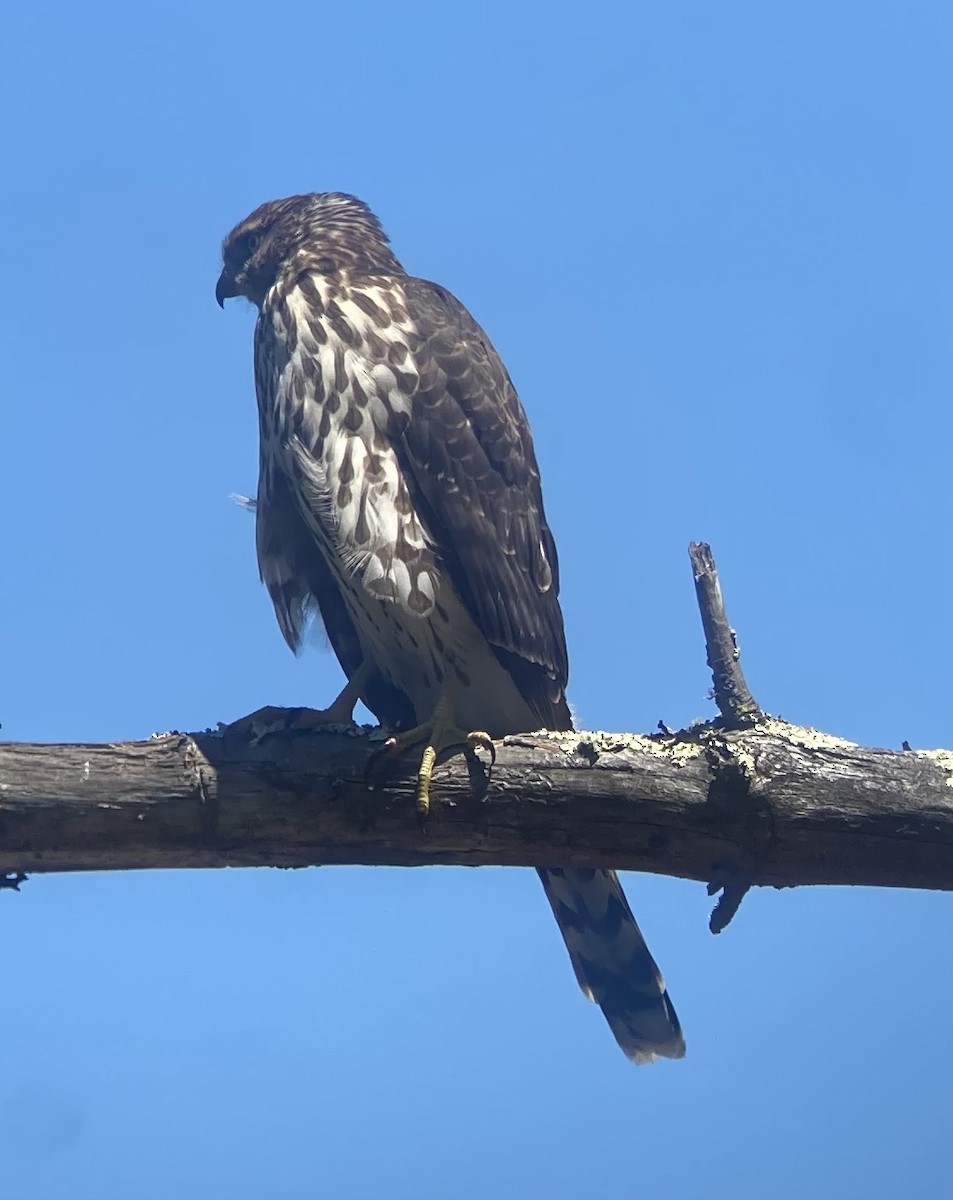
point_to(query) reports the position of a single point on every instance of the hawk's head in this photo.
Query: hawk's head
(323, 231)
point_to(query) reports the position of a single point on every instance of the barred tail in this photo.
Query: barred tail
(612, 962)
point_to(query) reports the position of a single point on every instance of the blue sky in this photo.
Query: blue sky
(714, 245)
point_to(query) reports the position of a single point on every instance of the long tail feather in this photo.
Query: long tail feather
(612, 962)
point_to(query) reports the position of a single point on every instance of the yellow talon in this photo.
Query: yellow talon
(478, 740)
(440, 735)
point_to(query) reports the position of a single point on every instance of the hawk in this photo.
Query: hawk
(399, 498)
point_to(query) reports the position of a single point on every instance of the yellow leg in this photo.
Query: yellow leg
(440, 734)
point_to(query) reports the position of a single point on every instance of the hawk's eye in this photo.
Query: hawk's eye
(252, 242)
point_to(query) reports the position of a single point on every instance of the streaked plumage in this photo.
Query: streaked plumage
(399, 497)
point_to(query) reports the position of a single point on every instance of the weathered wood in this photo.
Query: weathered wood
(735, 702)
(772, 804)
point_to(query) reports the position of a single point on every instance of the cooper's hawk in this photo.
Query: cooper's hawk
(399, 497)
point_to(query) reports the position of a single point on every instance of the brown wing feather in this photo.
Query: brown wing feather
(468, 452)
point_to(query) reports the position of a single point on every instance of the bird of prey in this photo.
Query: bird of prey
(399, 499)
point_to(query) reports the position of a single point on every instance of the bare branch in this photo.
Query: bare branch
(737, 706)
(773, 804)
(746, 800)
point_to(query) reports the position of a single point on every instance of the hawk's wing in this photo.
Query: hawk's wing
(468, 457)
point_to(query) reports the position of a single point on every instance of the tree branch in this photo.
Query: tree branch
(773, 804)
(735, 702)
(744, 800)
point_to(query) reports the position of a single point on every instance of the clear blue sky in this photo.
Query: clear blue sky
(714, 245)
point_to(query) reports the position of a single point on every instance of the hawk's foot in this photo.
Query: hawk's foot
(442, 738)
(452, 739)
(267, 720)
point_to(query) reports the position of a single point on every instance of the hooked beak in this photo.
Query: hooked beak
(225, 288)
